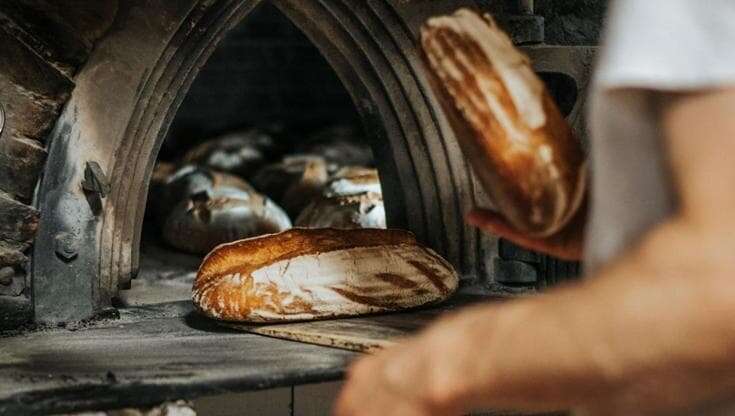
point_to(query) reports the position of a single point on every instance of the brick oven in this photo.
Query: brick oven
(94, 93)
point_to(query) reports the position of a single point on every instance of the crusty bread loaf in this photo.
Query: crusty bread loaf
(353, 180)
(309, 186)
(296, 176)
(240, 153)
(509, 127)
(219, 215)
(186, 181)
(364, 210)
(304, 274)
(341, 144)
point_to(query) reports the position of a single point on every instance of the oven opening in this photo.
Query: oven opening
(266, 139)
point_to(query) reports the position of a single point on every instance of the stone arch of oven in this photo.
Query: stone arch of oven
(129, 91)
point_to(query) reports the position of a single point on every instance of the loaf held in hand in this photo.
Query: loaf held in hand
(508, 126)
(305, 274)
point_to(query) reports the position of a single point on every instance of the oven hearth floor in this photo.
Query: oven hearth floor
(151, 354)
(165, 352)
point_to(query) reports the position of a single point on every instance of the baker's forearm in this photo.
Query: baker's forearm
(663, 307)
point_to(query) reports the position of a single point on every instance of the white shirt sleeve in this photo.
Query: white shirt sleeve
(650, 46)
(668, 44)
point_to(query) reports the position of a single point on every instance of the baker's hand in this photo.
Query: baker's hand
(567, 244)
(423, 376)
(369, 392)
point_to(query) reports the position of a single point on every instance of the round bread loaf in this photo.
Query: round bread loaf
(240, 153)
(365, 210)
(167, 191)
(276, 179)
(302, 192)
(341, 144)
(219, 215)
(508, 126)
(305, 274)
(352, 180)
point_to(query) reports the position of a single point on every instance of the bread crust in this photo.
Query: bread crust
(363, 210)
(217, 208)
(305, 274)
(276, 179)
(224, 213)
(352, 180)
(508, 126)
(241, 152)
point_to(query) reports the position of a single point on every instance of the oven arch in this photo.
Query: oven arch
(128, 92)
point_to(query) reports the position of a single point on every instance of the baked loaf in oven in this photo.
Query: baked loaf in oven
(305, 274)
(293, 181)
(239, 153)
(351, 199)
(185, 181)
(221, 214)
(509, 127)
(308, 187)
(365, 210)
(353, 180)
(341, 144)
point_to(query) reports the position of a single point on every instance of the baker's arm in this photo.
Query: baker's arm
(656, 329)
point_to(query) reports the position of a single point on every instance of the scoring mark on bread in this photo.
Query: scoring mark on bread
(396, 280)
(387, 301)
(433, 277)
